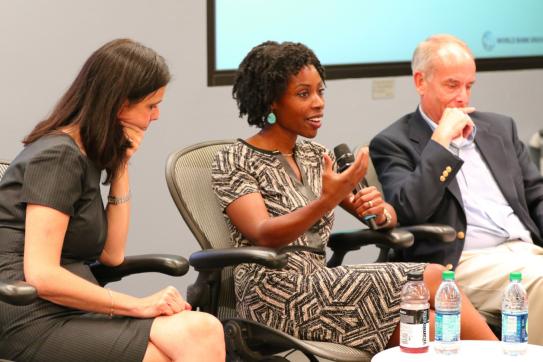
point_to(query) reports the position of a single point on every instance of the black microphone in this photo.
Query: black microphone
(344, 159)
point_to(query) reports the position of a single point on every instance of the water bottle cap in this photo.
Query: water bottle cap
(515, 276)
(448, 275)
(414, 276)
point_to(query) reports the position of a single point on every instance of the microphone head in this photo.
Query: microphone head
(344, 157)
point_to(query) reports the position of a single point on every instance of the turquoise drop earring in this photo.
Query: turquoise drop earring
(271, 118)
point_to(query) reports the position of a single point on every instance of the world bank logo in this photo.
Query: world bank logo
(489, 42)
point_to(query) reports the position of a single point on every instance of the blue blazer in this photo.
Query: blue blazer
(418, 178)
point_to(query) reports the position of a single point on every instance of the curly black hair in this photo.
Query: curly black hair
(263, 76)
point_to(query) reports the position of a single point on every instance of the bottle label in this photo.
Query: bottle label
(515, 327)
(447, 326)
(414, 328)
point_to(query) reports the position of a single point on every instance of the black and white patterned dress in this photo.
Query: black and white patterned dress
(356, 305)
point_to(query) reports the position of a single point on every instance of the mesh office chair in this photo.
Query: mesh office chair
(188, 174)
(21, 293)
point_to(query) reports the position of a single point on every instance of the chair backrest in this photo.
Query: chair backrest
(188, 175)
(3, 167)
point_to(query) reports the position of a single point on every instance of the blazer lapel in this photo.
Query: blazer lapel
(419, 134)
(493, 152)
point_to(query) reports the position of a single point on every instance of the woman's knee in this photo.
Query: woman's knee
(434, 271)
(207, 331)
(432, 276)
(154, 354)
(201, 333)
(202, 325)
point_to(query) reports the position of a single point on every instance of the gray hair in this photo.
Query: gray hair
(427, 51)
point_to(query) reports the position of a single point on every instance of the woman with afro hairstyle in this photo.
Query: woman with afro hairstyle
(279, 191)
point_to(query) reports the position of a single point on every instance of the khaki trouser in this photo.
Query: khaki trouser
(484, 274)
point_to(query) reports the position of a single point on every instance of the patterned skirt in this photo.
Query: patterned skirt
(356, 305)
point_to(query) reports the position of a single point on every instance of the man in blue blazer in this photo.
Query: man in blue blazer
(448, 163)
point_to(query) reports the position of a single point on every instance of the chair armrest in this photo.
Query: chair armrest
(203, 294)
(343, 242)
(354, 240)
(161, 263)
(219, 258)
(438, 232)
(17, 293)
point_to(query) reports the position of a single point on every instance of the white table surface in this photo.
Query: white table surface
(469, 351)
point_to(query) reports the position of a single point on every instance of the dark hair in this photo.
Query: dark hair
(119, 71)
(263, 77)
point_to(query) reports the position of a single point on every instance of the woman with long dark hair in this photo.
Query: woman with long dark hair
(52, 220)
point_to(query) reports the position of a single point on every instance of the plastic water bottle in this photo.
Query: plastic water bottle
(515, 317)
(447, 303)
(414, 315)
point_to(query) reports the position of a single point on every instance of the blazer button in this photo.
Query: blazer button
(445, 173)
(442, 178)
(460, 235)
(448, 169)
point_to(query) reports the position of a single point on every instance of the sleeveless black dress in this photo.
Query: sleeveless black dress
(53, 172)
